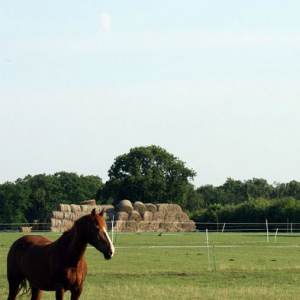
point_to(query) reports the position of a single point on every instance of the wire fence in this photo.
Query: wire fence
(200, 227)
(249, 227)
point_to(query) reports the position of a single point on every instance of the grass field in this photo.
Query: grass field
(176, 266)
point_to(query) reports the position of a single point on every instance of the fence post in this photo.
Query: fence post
(276, 233)
(208, 258)
(223, 227)
(267, 231)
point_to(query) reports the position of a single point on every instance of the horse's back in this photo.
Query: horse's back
(20, 248)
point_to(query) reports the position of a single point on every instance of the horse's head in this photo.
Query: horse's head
(98, 236)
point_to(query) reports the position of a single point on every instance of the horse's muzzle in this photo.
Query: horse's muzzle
(110, 254)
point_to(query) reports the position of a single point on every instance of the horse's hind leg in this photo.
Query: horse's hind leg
(75, 294)
(13, 289)
(36, 294)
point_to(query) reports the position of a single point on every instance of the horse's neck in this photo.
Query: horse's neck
(72, 246)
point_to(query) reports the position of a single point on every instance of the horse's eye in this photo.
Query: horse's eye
(96, 229)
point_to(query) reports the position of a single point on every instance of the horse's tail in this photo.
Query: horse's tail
(26, 290)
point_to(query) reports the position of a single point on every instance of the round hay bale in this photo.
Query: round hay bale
(182, 217)
(147, 216)
(91, 202)
(174, 208)
(158, 216)
(151, 207)
(188, 226)
(164, 208)
(170, 217)
(120, 226)
(166, 227)
(154, 226)
(177, 226)
(125, 206)
(134, 216)
(143, 226)
(75, 208)
(63, 207)
(139, 206)
(131, 226)
(122, 216)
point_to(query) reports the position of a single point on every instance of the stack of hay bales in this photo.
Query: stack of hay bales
(128, 217)
(65, 214)
(138, 217)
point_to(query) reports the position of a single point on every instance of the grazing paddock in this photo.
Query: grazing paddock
(176, 266)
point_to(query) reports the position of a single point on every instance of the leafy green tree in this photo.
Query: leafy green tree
(14, 201)
(232, 192)
(257, 187)
(293, 189)
(149, 174)
(209, 194)
(32, 197)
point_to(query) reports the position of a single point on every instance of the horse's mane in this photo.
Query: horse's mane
(84, 219)
(80, 220)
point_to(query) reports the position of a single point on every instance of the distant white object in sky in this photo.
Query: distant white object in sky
(105, 19)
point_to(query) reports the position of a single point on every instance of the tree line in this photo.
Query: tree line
(151, 174)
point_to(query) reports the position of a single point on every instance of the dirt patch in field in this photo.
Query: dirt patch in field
(158, 274)
(179, 274)
(185, 274)
(128, 275)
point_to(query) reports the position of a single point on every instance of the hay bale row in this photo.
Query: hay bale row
(126, 206)
(149, 216)
(154, 226)
(139, 217)
(63, 207)
(82, 207)
(56, 215)
(169, 208)
(64, 220)
(128, 217)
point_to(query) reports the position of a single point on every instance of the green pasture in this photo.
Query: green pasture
(177, 266)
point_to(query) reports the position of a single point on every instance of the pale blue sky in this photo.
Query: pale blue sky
(216, 83)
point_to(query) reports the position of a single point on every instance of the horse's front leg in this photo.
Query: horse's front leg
(75, 294)
(60, 294)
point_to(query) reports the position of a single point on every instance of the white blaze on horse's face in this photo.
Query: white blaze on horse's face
(112, 248)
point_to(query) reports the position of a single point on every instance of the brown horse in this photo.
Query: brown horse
(56, 266)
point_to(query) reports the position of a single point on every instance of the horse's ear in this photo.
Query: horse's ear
(93, 213)
(102, 212)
